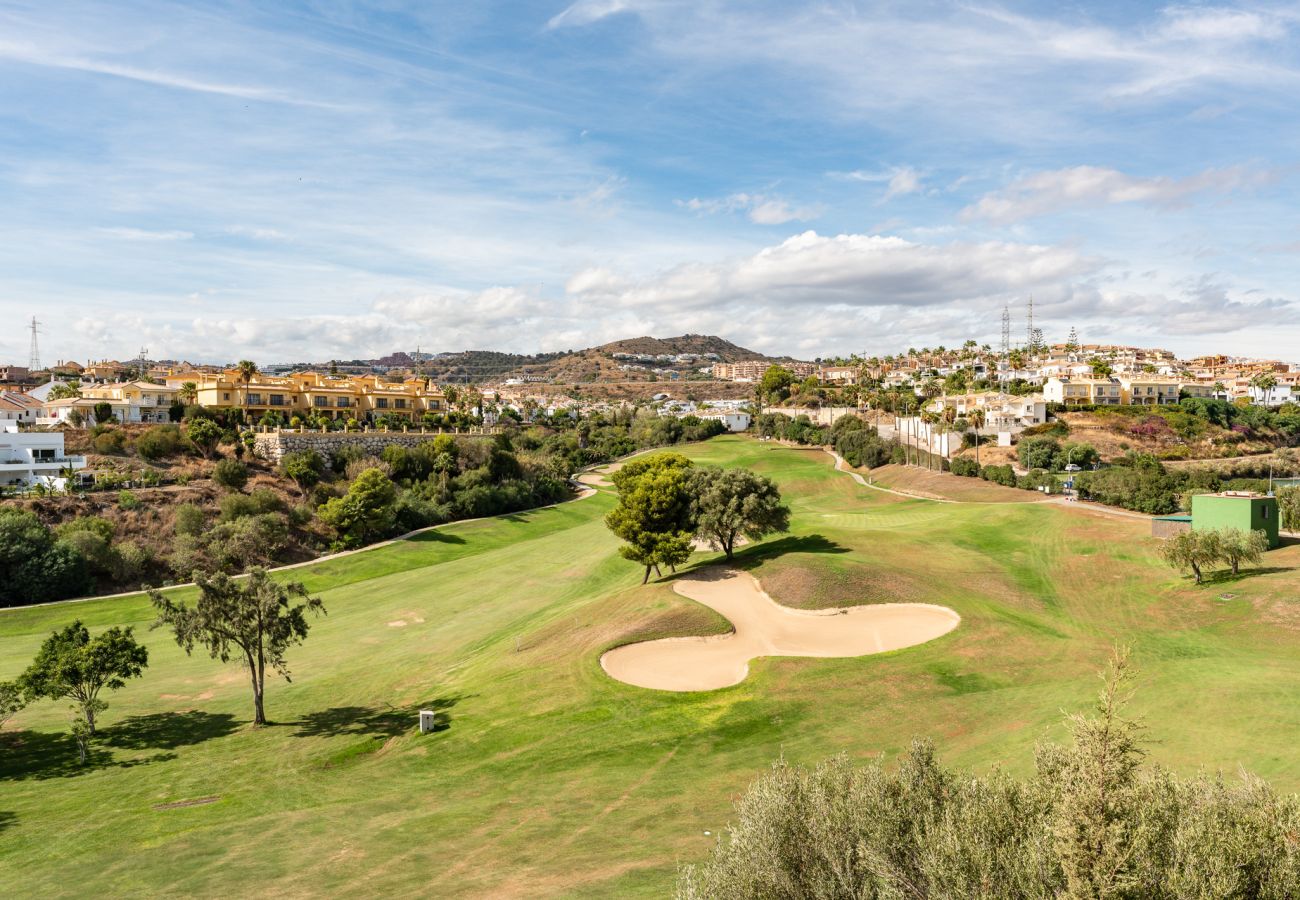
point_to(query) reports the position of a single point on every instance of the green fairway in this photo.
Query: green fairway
(550, 778)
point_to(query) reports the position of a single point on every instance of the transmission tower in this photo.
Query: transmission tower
(1006, 330)
(34, 361)
(1029, 326)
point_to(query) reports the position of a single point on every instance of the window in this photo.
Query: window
(433, 404)
(277, 399)
(320, 401)
(255, 399)
(225, 396)
(381, 403)
(399, 404)
(344, 401)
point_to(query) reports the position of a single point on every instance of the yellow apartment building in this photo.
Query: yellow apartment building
(1150, 390)
(311, 393)
(1082, 391)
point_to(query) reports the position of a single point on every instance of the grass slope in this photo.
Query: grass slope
(548, 777)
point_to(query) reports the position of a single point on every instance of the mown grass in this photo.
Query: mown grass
(546, 777)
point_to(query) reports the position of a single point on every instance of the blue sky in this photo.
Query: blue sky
(295, 181)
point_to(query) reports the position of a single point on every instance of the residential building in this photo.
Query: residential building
(311, 393)
(1150, 390)
(1082, 391)
(839, 375)
(131, 402)
(18, 407)
(753, 369)
(14, 374)
(1002, 412)
(30, 458)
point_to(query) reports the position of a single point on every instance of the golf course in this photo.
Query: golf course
(547, 776)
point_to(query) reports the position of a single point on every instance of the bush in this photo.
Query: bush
(1038, 452)
(128, 500)
(36, 567)
(1090, 821)
(965, 467)
(236, 506)
(109, 442)
(230, 474)
(189, 519)
(999, 475)
(159, 442)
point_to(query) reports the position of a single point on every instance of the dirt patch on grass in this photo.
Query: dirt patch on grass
(807, 587)
(181, 804)
(946, 486)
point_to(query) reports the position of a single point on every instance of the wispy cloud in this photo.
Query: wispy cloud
(761, 209)
(145, 234)
(1083, 186)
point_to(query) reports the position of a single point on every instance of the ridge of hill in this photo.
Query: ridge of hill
(700, 344)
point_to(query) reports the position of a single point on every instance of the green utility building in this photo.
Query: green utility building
(1236, 509)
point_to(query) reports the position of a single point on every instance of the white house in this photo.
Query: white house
(29, 458)
(1274, 396)
(130, 401)
(735, 421)
(17, 407)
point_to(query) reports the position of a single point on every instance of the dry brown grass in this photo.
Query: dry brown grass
(946, 486)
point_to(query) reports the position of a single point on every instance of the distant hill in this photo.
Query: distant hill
(647, 359)
(701, 344)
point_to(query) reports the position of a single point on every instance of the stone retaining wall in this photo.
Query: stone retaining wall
(275, 444)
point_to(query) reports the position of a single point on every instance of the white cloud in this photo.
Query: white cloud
(1209, 24)
(1047, 192)
(853, 269)
(761, 209)
(144, 234)
(898, 181)
(584, 12)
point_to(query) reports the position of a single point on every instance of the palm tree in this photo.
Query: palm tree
(188, 393)
(1264, 382)
(246, 369)
(977, 420)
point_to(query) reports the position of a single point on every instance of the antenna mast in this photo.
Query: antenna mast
(1029, 329)
(1006, 330)
(34, 361)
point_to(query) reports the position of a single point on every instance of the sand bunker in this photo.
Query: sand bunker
(765, 628)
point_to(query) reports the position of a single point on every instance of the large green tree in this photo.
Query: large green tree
(72, 664)
(728, 503)
(366, 513)
(653, 515)
(254, 619)
(34, 566)
(204, 434)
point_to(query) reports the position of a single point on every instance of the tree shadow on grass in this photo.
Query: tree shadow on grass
(807, 543)
(169, 730)
(1226, 577)
(436, 536)
(7, 820)
(50, 754)
(385, 722)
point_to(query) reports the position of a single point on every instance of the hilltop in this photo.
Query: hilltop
(699, 344)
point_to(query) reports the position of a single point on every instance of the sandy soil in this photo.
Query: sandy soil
(765, 628)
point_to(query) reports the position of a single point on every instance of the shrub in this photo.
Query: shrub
(999, 475)
(159, 442)
(230, 474)
(1038, 452)
(189, 519)
(109, 442)
(128, 500)
(36, 567)
(965, 467)
(236, 506)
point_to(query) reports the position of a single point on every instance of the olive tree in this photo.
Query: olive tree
(1237, 547)
(1193, 550)
(728, 503)
(72, 664)
(254, 619)
(1091, 822)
